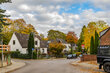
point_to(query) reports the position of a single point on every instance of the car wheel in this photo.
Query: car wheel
(106, 67)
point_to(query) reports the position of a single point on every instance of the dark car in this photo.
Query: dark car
(71, 56)
(103, 57)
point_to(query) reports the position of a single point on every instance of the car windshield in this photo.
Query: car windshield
(69, 55)
(74, 54)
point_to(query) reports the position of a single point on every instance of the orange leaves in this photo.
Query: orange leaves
(56, 45)
(56, 48)
(71, 37)
(90, 31)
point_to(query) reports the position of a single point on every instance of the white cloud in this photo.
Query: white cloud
(103, 4)
(24, 7)
(44, 15)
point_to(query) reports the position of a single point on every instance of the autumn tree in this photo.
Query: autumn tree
(56, 48)
(2, 16)
(6, 35)
(42, 36)
(54, 34)
(89, 31)
(17, 25)
(72, 39)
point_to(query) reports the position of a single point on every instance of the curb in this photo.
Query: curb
(14, 66)
(83, 64)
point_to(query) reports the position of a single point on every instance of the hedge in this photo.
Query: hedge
(17, 54)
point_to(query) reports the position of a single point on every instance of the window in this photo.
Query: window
(35, 42)
(17, 49)
(13, 42)
(104, 52)
(42, 50)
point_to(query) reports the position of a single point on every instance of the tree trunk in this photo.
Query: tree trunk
(71, 49)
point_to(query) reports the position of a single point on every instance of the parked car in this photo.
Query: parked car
(103, 58)
(71, 56)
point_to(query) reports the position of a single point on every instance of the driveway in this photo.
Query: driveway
(49, 66)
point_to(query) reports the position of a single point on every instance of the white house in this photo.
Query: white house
(43, 47)
(19, 42)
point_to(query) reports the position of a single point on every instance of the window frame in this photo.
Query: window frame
(14, 42)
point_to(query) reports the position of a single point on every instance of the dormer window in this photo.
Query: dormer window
(13, 42)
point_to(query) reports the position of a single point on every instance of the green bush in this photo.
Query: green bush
(24, 56)
(17, 54)
(34, 55)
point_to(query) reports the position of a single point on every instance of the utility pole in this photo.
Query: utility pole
(2, 51)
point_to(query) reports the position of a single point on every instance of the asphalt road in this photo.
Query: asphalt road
(48, 66)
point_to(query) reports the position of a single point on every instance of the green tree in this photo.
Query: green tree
(53, 34)
(92, 45)
(96, 42)
(2, 16)
(81, 39)
(30, 44)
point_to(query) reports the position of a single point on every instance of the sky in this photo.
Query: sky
(62, 15)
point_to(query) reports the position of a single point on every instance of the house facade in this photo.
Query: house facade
(105, 37)
(19, 42)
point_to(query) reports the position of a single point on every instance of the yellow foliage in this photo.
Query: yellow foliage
(90, 31)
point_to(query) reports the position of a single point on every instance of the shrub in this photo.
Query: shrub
(24, 56)
(15, 54)
(78, 53)
(34, 55)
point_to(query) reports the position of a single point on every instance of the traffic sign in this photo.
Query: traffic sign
(32, 48)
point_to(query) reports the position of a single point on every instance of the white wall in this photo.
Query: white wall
(67, 47)
(38, 42)
(24, 51)
(45, 50)
(17, 45)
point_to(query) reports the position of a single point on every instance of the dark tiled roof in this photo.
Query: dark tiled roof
(43, 44)
(59, 40)
(23, 39)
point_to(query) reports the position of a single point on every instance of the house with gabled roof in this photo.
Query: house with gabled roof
(19, 42)
(105, 37)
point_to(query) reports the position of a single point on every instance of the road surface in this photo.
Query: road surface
(48, 66)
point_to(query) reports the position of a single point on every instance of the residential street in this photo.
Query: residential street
(48, 66)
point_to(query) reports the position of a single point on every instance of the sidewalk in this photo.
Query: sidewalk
(90, 66)
(14, 66)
